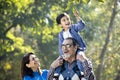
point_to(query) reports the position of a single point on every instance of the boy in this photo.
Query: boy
(71, 30)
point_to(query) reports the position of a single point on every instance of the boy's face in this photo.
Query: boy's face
(65, 22)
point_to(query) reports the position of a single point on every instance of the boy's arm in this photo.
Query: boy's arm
(80, 25)
(88, 70)
(60, 42)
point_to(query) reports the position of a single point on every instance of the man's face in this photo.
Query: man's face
(68, 49)
(65, 22)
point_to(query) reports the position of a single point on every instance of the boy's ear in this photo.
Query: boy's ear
(28, 65)
(60, 25)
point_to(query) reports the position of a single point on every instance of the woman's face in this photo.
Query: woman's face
(33, 62)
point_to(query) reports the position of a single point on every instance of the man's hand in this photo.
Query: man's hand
(57, 62)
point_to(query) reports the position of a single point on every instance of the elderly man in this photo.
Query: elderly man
(65, 68)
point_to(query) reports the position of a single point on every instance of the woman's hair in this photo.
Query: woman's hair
(24, 69)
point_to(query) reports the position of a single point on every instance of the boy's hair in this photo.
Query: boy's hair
(60, 16)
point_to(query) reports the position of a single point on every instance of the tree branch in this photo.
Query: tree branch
(4, 56)
(12, 25)
(118, 75)
(102, 54)
(118, 11)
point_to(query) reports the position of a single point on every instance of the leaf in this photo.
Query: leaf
(7, 66)
(85, 1)
(77, 1)
(101, 0)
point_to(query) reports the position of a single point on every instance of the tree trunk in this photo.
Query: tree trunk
(101, 57)
(118, 75)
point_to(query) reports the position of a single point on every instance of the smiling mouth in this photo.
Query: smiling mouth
(67, 24)
(66, 55)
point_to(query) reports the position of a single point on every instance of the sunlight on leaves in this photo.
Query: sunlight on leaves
(47, 38)
(19, 41)
(101, 0)
(85, 1)
(10, 35)
(21, 4)
(10, 48)
(110, 47)
(77, 1)
(56, 29)
(23, 49)
(97, 62)
(7, 66)
(47, 35)
(110, 70)
(46, 31)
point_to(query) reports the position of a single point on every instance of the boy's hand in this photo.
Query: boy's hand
(76, 13)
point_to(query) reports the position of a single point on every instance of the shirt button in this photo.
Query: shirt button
(68, 72)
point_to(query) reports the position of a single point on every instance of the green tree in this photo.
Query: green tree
(29, 25)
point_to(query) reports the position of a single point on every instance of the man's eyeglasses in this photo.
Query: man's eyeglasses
(66, 45)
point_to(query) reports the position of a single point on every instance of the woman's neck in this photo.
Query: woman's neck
(34, 69)
(39, 70)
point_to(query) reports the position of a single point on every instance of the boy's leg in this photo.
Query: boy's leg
(88, 70)
(80, 66)
(86, 65)
(80, 58)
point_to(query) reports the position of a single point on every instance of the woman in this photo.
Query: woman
(30, 68)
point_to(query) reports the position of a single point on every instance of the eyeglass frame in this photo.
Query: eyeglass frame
(66, 45)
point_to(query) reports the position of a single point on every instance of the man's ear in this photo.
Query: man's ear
(76, 47)
(28, 65)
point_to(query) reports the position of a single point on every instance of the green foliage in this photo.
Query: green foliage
(101, 0)
(30, 26)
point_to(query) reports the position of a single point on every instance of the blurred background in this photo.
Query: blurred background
(30, 26)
